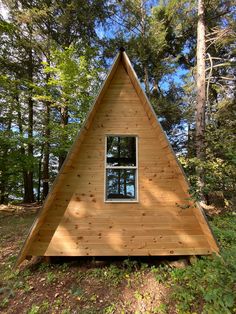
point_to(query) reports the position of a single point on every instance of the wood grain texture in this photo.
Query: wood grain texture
(78, 222)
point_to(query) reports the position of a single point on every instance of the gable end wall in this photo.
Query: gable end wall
(80, 223)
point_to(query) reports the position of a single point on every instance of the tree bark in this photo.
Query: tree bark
(22, 150)
(146, 80)
(144, 35)
(40, 175)
(45, 174)
(29, 196)
(46, 145)
(189, 141)
(45, 178)
(4, 175)
(201, 95)
(64, 121)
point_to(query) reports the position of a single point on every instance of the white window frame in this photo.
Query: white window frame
(136, 199)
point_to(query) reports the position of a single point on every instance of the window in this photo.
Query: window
(121, 168)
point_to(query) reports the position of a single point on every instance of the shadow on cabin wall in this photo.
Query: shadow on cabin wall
(80, 223)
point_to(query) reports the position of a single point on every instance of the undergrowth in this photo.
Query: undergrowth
(209, 285)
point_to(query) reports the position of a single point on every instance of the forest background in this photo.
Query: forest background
(55, 54)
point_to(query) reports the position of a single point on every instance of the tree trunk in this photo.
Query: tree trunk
(189, 144)
(4, 167)
(22, 150)
(29, 196)
(64, 122)
(46, 148)
(146, 81)
(144, 36)
(201, 94)
(2, 191)
(46, 152)
(40, 175)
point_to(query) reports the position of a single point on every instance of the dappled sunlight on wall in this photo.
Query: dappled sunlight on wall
(162, 222)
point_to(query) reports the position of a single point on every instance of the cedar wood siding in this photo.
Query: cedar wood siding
(75, 220)
(80, 223)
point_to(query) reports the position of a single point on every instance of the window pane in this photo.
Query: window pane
(121, 151)
(121, 183)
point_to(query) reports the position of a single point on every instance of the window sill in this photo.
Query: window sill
(121, 201)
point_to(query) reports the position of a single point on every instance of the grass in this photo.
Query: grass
(140, 286)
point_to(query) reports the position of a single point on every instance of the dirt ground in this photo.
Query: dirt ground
(79, 285)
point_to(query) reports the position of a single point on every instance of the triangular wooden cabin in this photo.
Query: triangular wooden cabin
(121, 190)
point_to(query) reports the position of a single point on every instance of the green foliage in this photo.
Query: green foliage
(44, 266)
(64, 267)
(211, 281)
(77, 291)
(41, 308)
(65, 311)
(224, 228)
(35, 309)
(110, 309)
(53, 63)
(208, 286)
(113, 274)
(161, 273)
(51, 277)
(138, 296)
(130, 265)
(56, 64)
(161, 309)
(4, 303)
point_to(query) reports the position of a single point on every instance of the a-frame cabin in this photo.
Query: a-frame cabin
(121, 190)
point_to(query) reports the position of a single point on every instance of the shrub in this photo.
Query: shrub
(209, 285)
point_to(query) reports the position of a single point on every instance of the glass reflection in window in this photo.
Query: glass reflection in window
(121, 168)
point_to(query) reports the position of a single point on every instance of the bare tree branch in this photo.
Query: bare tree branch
(219, 65)
(209, 78)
